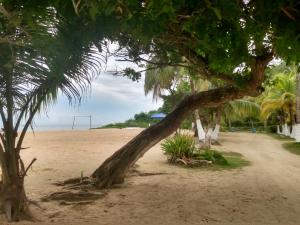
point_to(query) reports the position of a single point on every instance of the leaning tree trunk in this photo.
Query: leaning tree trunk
(113, 170)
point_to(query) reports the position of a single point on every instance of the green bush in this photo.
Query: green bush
(214, 156)
(179, 146)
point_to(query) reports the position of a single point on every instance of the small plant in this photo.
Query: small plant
(181, 150)
(213, 156)
(179, 146)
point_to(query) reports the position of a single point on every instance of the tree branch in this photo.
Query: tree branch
(3, 163)
(11, 20)
(28, 122)
(2, 115)
(28, 167)
(23, 112)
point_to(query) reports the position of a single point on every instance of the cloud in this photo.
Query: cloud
(112, 99)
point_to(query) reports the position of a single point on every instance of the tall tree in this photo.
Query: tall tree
(213, 38)
(33, 69)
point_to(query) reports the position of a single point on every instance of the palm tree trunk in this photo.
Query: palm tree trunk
(215, 133)
(297, 126)
(13, 198)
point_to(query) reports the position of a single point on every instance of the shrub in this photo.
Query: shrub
(179, 146)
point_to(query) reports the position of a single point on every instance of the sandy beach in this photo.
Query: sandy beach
(266, 192)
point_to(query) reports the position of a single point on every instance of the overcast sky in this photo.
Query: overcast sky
(112, 99)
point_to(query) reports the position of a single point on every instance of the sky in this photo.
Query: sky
(111, 99)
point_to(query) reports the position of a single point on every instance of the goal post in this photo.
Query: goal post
(89, 117)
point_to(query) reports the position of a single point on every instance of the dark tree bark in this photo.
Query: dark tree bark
(12, 194)
(298, 96)
(114, 169)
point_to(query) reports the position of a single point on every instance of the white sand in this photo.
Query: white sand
(267, 192)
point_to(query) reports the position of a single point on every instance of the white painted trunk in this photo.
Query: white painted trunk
(215, 133)
(285, 130)
(293, 132)
(278, 130)
(200, 131)
(297, 132)
(209, 132)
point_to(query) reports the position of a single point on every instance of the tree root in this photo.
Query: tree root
(75, 181)
(74, 197)
(133, 172)
(192, 162)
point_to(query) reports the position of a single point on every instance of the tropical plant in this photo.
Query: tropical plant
(284, 106)
(160, 79)
(33, 70)
(179, 146)
(279, 97)
(241, 108)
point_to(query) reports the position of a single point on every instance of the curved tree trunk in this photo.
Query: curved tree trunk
(113, 170)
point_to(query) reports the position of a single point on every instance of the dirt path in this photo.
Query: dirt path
(266, 193)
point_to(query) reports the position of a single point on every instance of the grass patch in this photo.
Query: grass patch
(280, 137)
(235, 160)
(293, 147)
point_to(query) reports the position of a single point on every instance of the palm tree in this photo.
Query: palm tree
(240, 109)
(33, 70)
(163, 79)
(280, 99)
